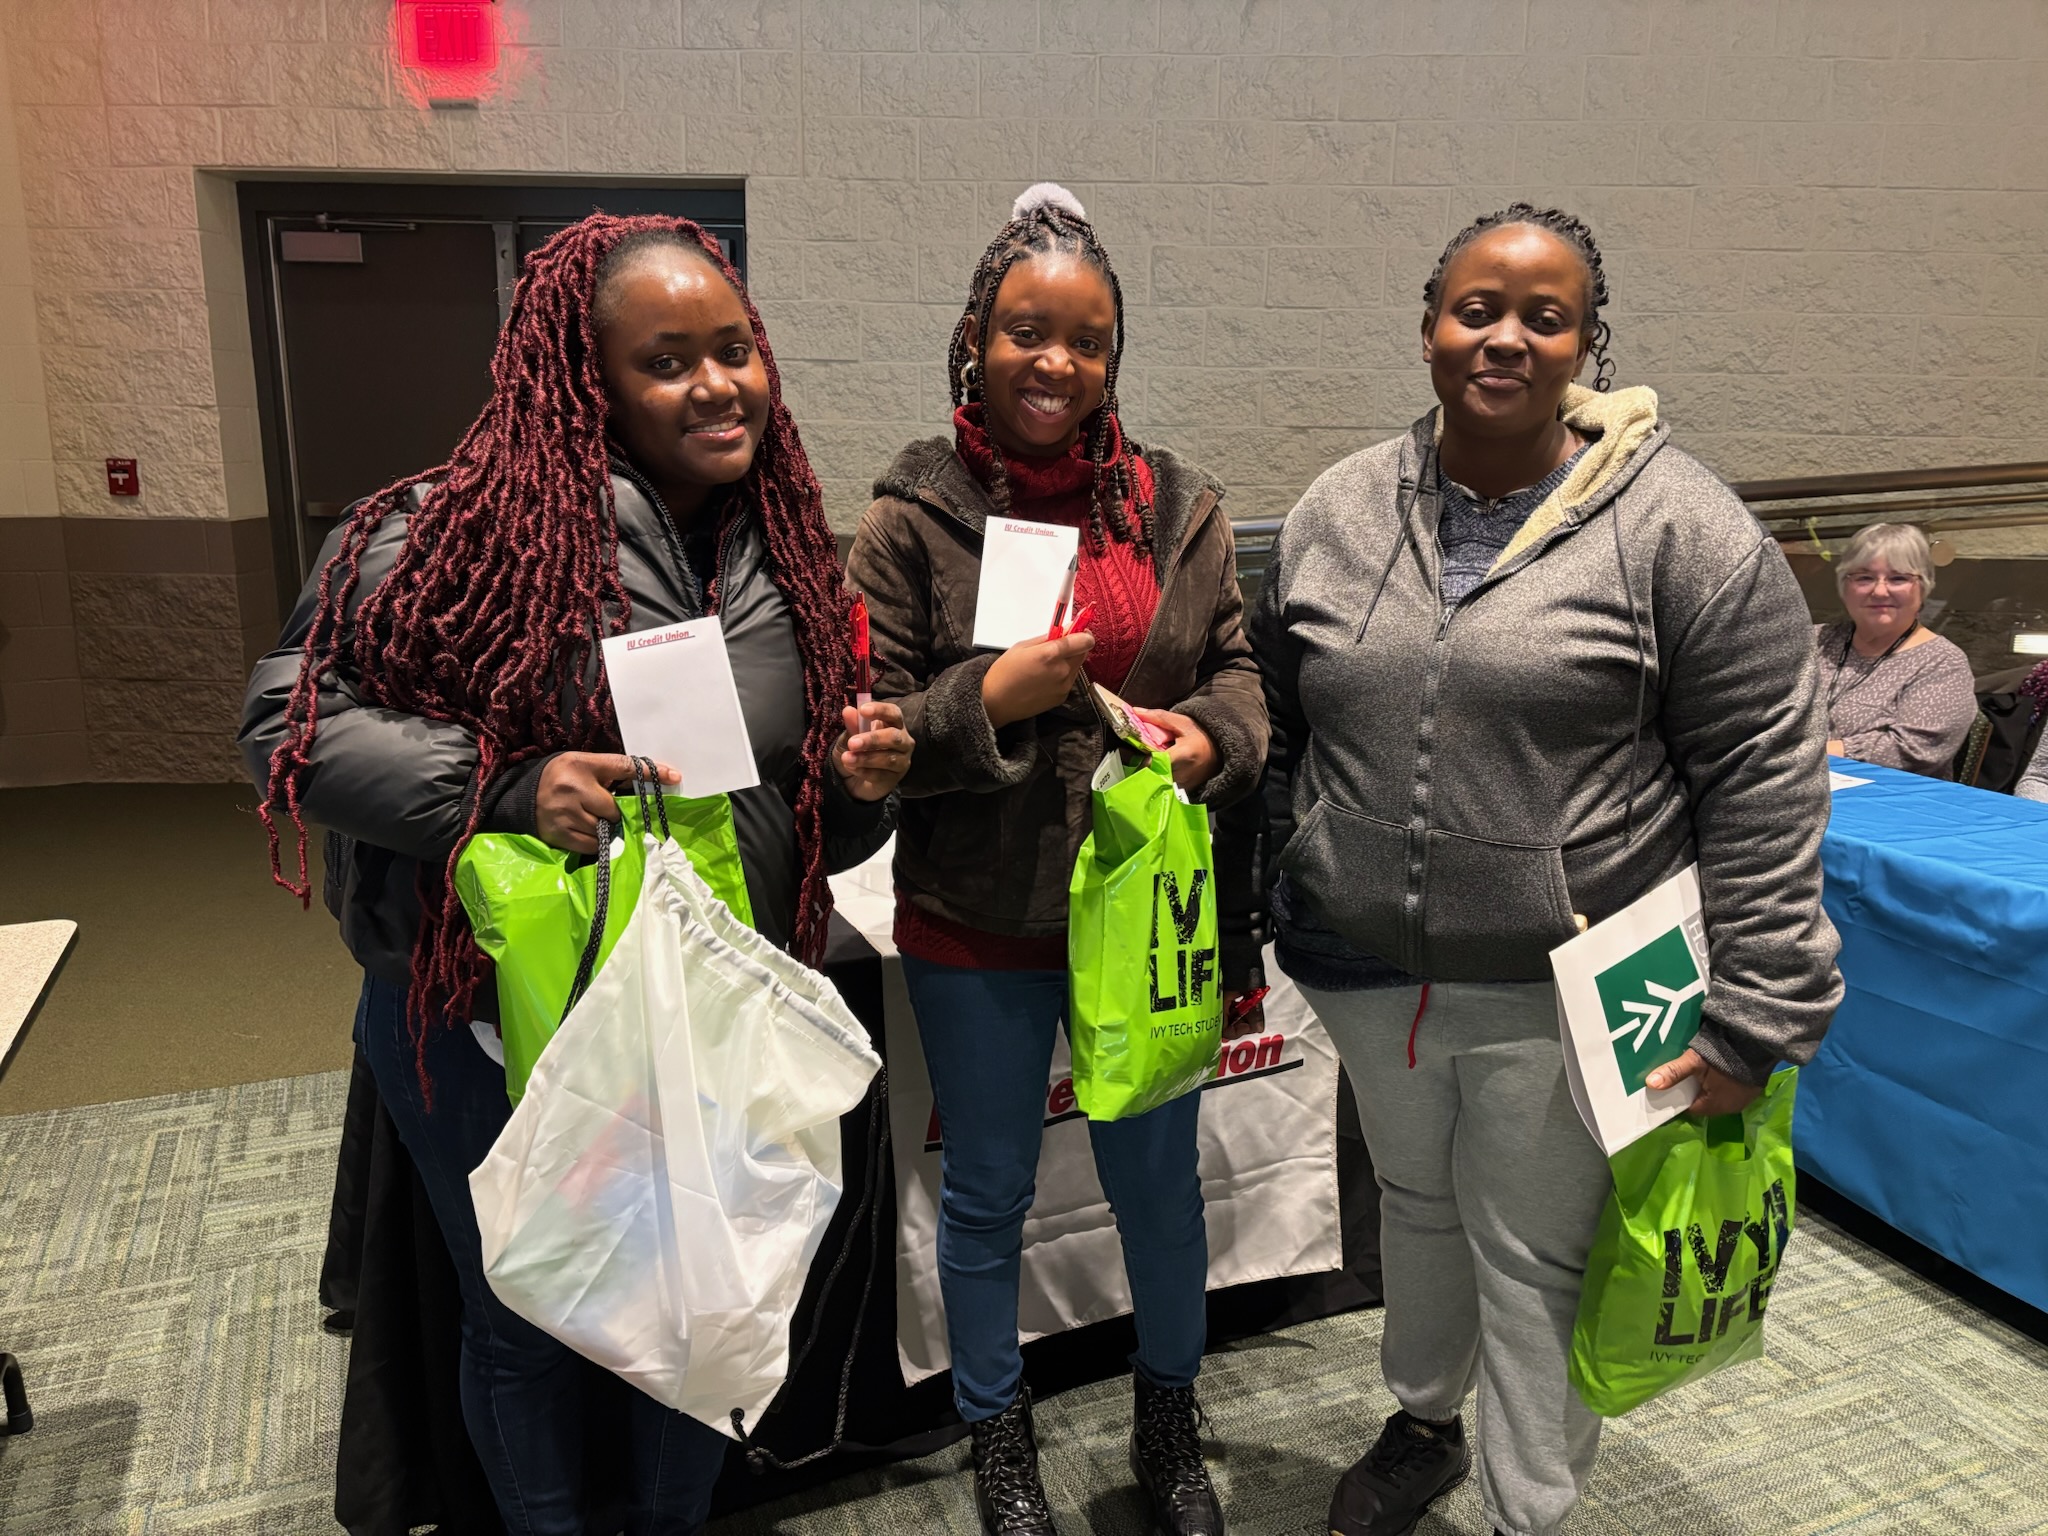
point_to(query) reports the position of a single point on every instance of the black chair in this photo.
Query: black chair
(2002, 740)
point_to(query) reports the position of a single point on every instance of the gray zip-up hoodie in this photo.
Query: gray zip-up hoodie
(1630, 688)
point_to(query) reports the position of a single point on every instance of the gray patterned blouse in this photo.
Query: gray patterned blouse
(1911, 709)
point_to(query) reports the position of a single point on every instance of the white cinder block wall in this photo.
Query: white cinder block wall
(1826, 220)
(1826, 224)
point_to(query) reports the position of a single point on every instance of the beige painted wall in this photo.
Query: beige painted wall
(1827, 220)
(1826, 224)
(28, 486)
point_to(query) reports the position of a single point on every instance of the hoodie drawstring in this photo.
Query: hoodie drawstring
(1420, 1008)
(1401, 536)
(1635, 741)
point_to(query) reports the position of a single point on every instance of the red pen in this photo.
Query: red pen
(1065, 605)
(1241, 1009)
(1080, 620)
(863, 682)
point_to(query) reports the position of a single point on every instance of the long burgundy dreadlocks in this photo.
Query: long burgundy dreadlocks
(509, 577)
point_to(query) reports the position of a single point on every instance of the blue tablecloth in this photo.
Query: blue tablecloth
(1927, 1104)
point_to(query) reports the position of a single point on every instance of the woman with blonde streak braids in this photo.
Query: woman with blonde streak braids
(633, 467)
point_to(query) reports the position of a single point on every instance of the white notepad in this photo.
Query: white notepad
(678, 704)
(1023, 571)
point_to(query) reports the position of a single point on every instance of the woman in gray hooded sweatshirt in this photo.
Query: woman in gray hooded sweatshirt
(1524, 663)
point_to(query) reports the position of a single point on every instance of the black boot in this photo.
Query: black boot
(1007, 1491)
(1388, 1488)
(1166, 1459)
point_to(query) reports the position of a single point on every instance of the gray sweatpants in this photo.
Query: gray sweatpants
(1490, 1190)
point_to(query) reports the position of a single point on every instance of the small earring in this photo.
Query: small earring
(968, 374)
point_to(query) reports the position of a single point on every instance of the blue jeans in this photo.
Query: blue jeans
(521, 1389)
(988, 1039)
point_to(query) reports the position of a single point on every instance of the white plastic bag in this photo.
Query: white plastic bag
(659, 1193)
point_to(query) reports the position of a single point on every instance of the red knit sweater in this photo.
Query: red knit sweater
(1120, 582)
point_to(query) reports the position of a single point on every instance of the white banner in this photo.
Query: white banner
(1268, 1162)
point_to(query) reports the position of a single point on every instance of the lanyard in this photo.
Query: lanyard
(1836, 691)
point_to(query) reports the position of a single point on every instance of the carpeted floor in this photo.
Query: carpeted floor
(190, 970)
(158, 1261)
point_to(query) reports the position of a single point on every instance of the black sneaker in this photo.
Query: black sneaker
(1388, 1488)
(1166, 1459)
(1007, 1491)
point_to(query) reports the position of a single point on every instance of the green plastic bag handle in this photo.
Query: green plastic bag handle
(548, 919)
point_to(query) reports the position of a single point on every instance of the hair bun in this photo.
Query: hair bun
(1043, 195)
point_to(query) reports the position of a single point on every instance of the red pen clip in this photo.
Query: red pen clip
(1242, 1008)
(1080, 620)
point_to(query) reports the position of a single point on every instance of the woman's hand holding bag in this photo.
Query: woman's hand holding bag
(1188, 748)
(576, 793)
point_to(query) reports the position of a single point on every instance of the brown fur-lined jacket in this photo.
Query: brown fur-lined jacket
(992, 820)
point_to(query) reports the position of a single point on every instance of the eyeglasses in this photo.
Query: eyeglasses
(1870, 581)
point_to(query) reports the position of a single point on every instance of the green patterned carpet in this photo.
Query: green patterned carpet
(158, 1259)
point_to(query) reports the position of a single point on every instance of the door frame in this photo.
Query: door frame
(267, 205)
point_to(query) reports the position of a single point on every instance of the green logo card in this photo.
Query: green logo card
(1652, 1003)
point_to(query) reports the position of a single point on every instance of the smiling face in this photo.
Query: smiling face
(687, 387)
(1511, 332)
(1046, 365)
(1884, 601)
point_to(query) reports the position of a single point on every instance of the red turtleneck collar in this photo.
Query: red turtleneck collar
(1041, 479)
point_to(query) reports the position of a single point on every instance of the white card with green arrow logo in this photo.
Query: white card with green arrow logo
(1629, 992)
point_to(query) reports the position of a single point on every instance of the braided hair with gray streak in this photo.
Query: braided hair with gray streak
(1574, 232)
(1044, 219)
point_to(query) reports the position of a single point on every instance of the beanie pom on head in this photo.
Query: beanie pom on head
(1047, 196)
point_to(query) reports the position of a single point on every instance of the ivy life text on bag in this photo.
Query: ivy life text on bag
(659, 1193)
(531, 908)
(1145, 1008)
(1629, 993)
(1687, 1251)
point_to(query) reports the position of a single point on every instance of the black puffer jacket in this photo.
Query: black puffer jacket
(395, 787)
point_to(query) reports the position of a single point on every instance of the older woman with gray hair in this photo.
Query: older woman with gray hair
(1896, 692)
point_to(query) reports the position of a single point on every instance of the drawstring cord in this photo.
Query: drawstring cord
(1420, 1009)
(1635, 619)
(1402, 534)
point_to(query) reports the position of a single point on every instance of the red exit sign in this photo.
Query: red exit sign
(454, 42)
(122, 480)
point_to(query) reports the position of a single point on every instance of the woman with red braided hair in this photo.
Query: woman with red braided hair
(441, 676)
(998, 802)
